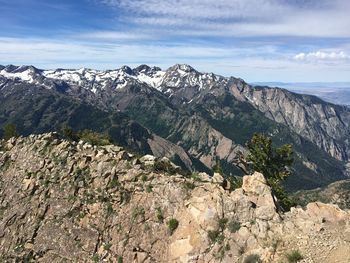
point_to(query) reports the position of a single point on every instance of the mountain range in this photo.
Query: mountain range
(191, 117)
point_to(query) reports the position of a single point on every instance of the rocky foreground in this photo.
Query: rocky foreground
(74, 202)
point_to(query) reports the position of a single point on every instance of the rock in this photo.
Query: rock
(148, 160)
(256, 187)
(87, 146)
(327, 212)
(100, 153)
(93, 203)
(255, 184)
(122, 155)
(10, 143)
(204, 177)
(218, 178)
(28, 184)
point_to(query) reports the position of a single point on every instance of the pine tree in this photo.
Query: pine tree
(273, 162)
(9, 131)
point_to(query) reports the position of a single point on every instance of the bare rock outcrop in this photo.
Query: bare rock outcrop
(69, 202)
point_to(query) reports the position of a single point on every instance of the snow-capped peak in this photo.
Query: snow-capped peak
(182, 77)
(151, 76)
(23, 73)
(182, 67)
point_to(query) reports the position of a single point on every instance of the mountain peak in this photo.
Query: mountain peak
(10, 68)
(127, 70)
(30, 69)
(146, 69)
(142, 68)
(184, 67)
(24, 73)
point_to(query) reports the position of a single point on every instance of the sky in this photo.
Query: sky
(257, 40)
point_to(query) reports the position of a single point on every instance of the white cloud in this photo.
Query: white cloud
(239, 17)
(115, 36)
(249, 63)
(322, 56)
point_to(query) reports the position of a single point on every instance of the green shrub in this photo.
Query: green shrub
(6, 163)
(195, 176)
(88, 136)
(164, 166)
(253, 258)
(110, 209)
(120, 259)
(107, 246)
(94, 138)
(69, 134)
(222, 223)
(9, 131)
(189, 185)
(113, 183)
(144, 178)
(294, 256)
(138, 212)
(95, 258)
(234, 226)
(235, 182)
(125, 197)
(172, 225)
(149, 188)
(160, 215)
(215, 236)
(217, 168)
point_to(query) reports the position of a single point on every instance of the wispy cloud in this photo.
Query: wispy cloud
(322, 56)
(244, 18)
(115, 36)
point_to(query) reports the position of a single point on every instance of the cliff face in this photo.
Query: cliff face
(325, 124)
(62, 201)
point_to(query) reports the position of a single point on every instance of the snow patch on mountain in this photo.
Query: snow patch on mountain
(17, 73)
(152, 80)
(66, 75)
(91, 79)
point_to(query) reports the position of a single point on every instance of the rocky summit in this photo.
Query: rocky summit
(63, 201)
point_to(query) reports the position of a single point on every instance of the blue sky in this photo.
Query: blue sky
(258, 40)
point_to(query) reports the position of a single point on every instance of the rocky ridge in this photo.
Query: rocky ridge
(64, 201)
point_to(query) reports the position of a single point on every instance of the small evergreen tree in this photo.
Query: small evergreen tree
(9, 131)
(217, 168)
(273, 162)
(69, 133)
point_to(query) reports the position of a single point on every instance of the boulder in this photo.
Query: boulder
(148, 160)
(217, 178)
(327, 212)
